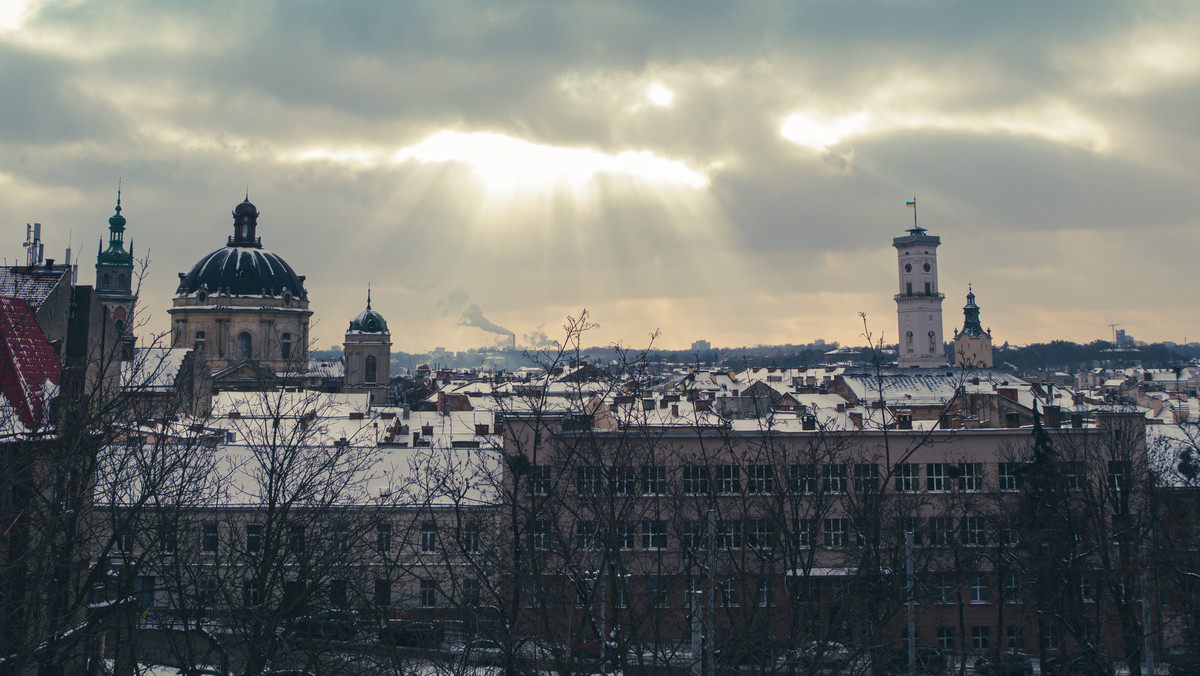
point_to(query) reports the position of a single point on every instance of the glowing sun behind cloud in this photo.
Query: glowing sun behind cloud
(508, 164)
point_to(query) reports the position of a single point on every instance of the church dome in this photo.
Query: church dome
(368, 321)
(242, 267)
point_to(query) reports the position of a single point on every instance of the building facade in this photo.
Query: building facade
(245, 307)
(918, 301)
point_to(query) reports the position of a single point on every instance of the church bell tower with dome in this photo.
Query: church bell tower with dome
(367, 353)
(972, 345)
(245, 308)
(114, 279)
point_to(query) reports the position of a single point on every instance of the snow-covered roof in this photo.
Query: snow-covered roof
(29, 369)
(153, 369)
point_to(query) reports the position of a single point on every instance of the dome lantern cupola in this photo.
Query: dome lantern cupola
(245, 221)
(116, 253)
(368, 321)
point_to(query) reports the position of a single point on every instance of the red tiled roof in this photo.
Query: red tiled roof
(27, 362)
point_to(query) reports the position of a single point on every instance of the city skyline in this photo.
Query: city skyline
(732, 173)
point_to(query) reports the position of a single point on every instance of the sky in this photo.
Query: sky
(726, 171)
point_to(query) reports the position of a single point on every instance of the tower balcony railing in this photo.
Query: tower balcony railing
(922, 294)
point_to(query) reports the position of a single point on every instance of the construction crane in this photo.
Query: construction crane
(1114, 330)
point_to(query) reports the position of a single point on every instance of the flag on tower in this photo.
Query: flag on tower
(912, 204)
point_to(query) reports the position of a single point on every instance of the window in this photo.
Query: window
(208, 538)
(974, 531)
(337, 593)
(370, 366)
(928, 291)
(691, 591)
(296, 538)
(866, 478)
(806, 531)
(244, 344)
(285, 346)
(761, 479)
(695, 480)
(729, 479)
(654, 535)
(970, 476)
(383, 538)
(1118, 475)
(428, 594)
(908, 477)
(470, 537)
(932, 335)
(625, 480)
(935, 476)
(253, 539)
(1016, 637)
(1087, 592)
(1012, 587)
(626, 534)
(251, 592)
(765, 598)
(429, 537)
(472, 592)
(199, 344)
(945, 638)
(941, 531)
(206, 591)
(658, 589)
(1073, 475)
(730, 596)
(1051, 635)
(588, 480)
(654, 480)
(835, 532)
(911, 524)
(981, 638)
(834, 477)
(585, 535)
(1012, 478)
(167, 539)
(540, 482)
(804, 479)
(123, 542)
(691, 535)
(541, 535)
(762, 533)
(383, 593)
(979, 588)
(944, 588)
(729, 534)
(341, 538)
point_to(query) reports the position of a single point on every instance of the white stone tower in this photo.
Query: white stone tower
(367, 352)
(919, 304)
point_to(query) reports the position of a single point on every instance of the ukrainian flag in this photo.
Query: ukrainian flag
(912, 204)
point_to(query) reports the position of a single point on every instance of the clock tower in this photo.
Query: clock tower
(918, 303)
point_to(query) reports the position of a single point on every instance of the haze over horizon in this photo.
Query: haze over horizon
(717, 171)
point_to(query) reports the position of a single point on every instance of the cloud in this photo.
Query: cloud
(453, 300)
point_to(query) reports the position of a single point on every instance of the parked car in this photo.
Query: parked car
(928, 660)
(330, 625)
(1004, 664)
(822, 654)
(411, 634)
(1079, 664)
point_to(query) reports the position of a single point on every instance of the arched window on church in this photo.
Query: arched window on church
(244, 345)
(910, 341)
(122, 283)
(932, 342)
(369, 370)
(285, 346)
(199, 344)
(105, 281)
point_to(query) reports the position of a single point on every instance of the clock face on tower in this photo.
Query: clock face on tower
(927, 267)
(908, 267)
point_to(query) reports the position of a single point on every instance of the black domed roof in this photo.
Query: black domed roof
(243, 267)
(243, 271)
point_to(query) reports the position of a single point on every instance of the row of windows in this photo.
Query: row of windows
(297, 539)
(760, 533)
(245, 345)
(807, 478)
(981, 638)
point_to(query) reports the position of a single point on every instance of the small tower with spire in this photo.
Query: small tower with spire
(114, 278)
(367, 353)
(972, 345)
